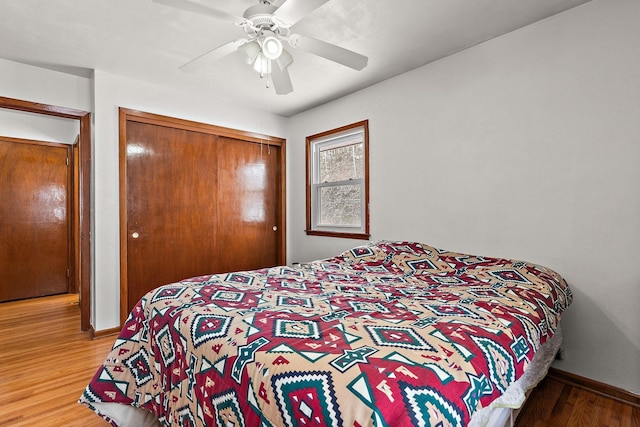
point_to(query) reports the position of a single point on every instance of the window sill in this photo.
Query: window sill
(361, 236)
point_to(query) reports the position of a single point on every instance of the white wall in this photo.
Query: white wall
(20, 124)
(34, 84)
(111, 92)
(526, 147)
(44, 86)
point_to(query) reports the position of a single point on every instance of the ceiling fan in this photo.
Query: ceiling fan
(267, 26)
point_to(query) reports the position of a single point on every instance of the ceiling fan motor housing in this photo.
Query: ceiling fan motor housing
(261, 15)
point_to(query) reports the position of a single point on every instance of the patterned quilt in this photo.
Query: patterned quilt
(388, 334)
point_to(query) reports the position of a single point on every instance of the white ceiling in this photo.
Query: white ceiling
(148, 41)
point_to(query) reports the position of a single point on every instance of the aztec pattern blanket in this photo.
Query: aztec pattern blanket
(389, 334)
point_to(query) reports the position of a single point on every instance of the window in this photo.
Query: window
(338, 182)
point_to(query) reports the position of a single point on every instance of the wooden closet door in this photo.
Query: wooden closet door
(248, 204)
(34, 219)
(172, 212)
(195, 203)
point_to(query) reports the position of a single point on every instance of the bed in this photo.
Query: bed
(385, 334)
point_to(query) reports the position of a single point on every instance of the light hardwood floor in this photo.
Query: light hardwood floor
(46, 362)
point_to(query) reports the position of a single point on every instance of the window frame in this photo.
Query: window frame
(326, 138)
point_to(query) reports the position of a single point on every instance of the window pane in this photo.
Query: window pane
(341, 205)
(341, 163)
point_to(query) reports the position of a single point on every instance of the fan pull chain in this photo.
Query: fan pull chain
(265, 103)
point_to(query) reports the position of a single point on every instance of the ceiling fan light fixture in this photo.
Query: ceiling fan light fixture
(262, 64)
(249, 51)
(272, 47)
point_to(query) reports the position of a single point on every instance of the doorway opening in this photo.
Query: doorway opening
(81, 222)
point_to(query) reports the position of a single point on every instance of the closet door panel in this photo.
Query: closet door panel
(248, 204)
(171, 199)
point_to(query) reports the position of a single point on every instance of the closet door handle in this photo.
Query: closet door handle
(135, 234)
(275, 228)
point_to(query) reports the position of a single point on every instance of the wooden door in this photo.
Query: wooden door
(248, 201)
(189, 206)
(171, 209)
(34, 219)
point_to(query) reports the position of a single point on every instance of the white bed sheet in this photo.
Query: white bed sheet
(501, 412)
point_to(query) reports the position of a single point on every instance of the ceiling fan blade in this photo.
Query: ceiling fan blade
(329, 51)
(212, 55)
(292, 11)
(281, 80)
(203, 10)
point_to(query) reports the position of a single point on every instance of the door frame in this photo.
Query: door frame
(126, 115)
(81, 222)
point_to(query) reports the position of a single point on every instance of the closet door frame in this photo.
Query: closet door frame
(129, 115)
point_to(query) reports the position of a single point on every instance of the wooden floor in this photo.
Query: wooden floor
(46, 362)
(554, 403)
